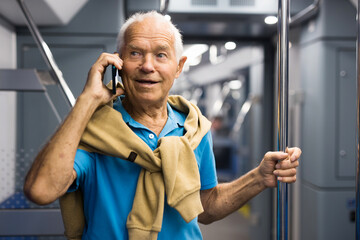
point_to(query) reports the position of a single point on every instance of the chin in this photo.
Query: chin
(151, 99)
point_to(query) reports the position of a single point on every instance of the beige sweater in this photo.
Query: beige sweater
(170, 169)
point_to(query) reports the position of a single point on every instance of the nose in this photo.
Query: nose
(148, 64)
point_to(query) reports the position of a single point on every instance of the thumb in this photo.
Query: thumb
(119, 91)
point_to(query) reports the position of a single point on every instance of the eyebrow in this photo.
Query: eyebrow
(164, 47)
(132, 46)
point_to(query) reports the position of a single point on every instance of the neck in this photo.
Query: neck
(152, 116)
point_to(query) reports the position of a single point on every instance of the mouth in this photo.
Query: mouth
(146, 81)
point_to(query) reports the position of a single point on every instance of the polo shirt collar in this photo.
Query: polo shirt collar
(173, 120)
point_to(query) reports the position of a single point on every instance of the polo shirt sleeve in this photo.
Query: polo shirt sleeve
(82, 165)
(206, 162)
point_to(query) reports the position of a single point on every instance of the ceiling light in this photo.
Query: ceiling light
(235, 84)
(230, 45)
(271, 20)
(194, 53)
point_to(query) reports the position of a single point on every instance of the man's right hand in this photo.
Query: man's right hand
(53, 169)
(94, 88)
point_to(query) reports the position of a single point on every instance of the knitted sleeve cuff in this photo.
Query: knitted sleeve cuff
(190, 206)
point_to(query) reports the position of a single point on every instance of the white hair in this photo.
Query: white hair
(139, 17)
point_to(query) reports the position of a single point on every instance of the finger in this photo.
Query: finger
(119, 61)
(100, 65)
(294, 152)
(287, 164)
(287, 179)
(107, 59)
(276, 156)
(119, 91)
(285, 173)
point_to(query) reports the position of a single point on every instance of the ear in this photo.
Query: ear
(180, 66)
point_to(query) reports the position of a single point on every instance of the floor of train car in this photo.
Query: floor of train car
(234, 226)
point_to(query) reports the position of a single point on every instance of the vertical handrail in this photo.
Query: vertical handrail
(46, 53)
(282, 121)
(357, 204)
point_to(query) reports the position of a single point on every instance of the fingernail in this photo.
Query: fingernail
(279, 178)
(277, 166)
(275, 172)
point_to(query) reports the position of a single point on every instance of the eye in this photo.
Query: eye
(161, 55)
(133, 53)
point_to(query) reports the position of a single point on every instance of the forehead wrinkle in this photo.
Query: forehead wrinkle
(160, 43)
(149, 36)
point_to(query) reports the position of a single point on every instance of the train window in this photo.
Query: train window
(225, 80)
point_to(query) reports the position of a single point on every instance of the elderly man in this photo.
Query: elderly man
(145, 166)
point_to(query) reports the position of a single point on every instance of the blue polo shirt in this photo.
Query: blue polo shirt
(108, 184)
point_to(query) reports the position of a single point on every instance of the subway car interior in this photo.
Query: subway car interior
(231, 74)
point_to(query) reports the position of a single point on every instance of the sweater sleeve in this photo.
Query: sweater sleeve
(206, 162)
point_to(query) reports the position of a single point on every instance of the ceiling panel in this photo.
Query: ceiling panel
(44, 12)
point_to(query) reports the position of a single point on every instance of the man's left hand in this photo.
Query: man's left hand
(280, 166)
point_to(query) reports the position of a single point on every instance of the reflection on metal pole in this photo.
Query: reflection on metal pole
(282, 117)
(46, 53)
(357, 217)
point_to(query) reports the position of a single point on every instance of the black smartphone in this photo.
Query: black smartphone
(116, 77)
(114, 70)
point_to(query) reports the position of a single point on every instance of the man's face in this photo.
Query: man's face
(150, 64)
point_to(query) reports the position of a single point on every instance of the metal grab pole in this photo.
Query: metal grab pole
(357, 211)
(46, 53)
(282, 121)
